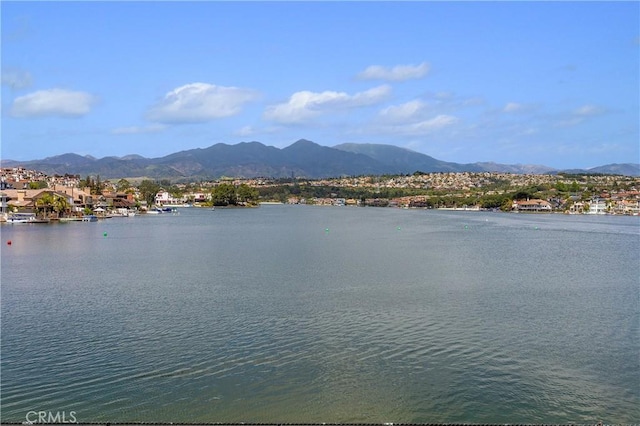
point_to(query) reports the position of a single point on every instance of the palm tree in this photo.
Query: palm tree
(44, 203)
(61, 204)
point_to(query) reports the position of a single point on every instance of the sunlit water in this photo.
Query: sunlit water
(324, 314)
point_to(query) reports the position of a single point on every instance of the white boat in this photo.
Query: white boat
(70, 219)
(21, 218)
(123, 212)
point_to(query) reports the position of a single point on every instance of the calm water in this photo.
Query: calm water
(324, 314)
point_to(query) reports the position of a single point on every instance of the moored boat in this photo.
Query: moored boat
(21, 218)
(70, 219)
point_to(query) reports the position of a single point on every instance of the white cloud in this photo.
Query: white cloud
(519, 108)
(433, 124)
(53, 102)
(200, 102)
(248, 131)
(588, 110)
(16, 78)
(305, 105)
(136, 130)
(397, 73)
(403, 112)
(452, 101)
(579, 115)
(416, 128)
(513, 107)
(413, 118)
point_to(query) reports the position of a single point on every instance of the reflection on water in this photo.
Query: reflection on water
(303, 314)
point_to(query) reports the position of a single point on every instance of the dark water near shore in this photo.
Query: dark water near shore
(324, 314)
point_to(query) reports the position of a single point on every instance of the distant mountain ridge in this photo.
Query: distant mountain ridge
(404, 160)
(301, 159)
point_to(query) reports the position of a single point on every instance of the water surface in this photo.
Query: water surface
(324, 314)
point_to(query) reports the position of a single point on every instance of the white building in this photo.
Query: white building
(534, 205)
(163, 198)
(597, 206)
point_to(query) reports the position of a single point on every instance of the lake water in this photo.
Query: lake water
(324, 314)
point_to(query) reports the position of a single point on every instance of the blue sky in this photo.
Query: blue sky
(553, 83)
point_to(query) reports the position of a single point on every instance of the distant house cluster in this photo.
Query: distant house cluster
(30, 191)
(624, 203)
(22, 178)
(78, 201)
(53, 197)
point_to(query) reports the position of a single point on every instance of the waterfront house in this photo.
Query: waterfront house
(163, 198)
(577, 208)
(119, 200)
(200, 197)
(4, 207)
(627, 207)
(534, 205)
(26, 200)
(21, 200)
(597, 206)
(81, 198)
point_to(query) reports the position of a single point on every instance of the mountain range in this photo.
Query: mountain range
(301, 159)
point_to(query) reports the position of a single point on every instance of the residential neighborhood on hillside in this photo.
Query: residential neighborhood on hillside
(67, 197)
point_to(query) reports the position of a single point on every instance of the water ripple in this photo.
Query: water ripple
(363, 324)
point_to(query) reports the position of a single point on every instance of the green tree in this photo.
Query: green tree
(522, 195)
(44, 203)
(61, 205)
(506, 205)
(85, 183)
(97, 188)
(148, 190)
(224, 194)
(492, 201)
(38, 185)
(123, 185)
(247, 194)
